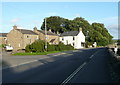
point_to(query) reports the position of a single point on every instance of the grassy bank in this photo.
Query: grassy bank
(39, 53)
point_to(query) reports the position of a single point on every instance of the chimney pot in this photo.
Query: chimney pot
(35, 28)
(80, 29)
(14, 27)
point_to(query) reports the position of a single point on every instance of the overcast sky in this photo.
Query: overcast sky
(30, 14)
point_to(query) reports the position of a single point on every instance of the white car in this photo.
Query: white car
(8, 48)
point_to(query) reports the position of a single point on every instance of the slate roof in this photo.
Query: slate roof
(24, 31)
(48, 32)
(3, 34)
(70, 33)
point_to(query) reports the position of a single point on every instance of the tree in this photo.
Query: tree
(95, 32)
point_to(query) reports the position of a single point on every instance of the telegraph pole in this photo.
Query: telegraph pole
(45, 35)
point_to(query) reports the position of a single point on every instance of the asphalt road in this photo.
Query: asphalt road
(81, 66)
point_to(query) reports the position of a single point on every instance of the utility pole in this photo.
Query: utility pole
(45, 35)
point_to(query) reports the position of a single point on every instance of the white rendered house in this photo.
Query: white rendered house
(75, 38)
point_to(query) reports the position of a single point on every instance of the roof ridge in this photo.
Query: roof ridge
(70, 33)
(25, 31)
(48, 32)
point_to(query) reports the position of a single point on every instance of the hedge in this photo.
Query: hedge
(39, 46)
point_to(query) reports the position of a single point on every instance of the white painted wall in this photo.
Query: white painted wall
(77, 42)
(69, 39)
(80, 38)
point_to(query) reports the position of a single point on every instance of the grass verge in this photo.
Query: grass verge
(38, 53)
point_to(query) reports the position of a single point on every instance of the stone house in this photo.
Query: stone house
(51, 37)
(18, 38)
(75, 38)
(3, 38)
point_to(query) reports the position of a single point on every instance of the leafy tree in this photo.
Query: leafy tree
(95, 32)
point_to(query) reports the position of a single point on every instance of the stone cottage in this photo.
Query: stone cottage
(51, 38)
(18, 38)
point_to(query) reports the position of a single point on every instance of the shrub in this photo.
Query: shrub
(69, 47)
(28, 48)
(56, 47)
(39, 46)
(61, 47)
(51, 48)
(2, 45)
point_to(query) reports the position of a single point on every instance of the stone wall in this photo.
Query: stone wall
(3, 40)
(18, 40)
(29, 39)
(15, 39)
(49, 37)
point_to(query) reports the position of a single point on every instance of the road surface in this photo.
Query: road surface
(81, 66)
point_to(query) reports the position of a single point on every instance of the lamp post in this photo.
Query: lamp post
(45, 35)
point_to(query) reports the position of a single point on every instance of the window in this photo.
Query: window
(37, 38)
(82, 44)
(27, 36)
(73, 44)
(62, 38)
(19, 44)
(73, 38)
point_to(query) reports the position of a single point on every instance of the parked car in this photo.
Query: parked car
(8, 48)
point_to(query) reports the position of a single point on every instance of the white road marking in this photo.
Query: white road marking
(73, 74)
(94, 54)
(91, 56)
(77, 70)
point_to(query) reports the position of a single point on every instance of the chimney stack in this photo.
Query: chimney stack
(35, 28)
(14, 27)
(80, 29)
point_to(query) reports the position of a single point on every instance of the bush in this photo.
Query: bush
(69, 47)
(56, 47)
(39, 46)
(2, 45)
(61, 47)
(28, 48)
(51, 48)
